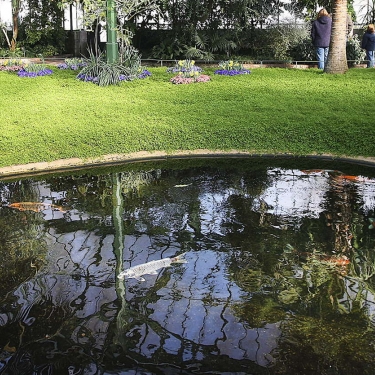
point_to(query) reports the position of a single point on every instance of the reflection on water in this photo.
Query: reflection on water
(279, 276)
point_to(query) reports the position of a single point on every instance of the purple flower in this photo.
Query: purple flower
(144, 74)
(225, 72)
(122, 77)
(63, 66)
(43, 72)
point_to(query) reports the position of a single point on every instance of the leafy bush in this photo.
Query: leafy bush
(304, 50)
(130, 61)
(98, 70)
(286, 38)
(13, 54)
(47, 51)
(354, 53)
(168, 49)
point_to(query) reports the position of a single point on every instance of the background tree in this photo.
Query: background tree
(126, 11)
(369, 9)
(42, 27)
(16, 9)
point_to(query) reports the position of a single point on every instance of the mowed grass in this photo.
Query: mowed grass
(272, 110)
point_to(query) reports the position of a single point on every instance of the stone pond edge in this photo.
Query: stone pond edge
(72, 164)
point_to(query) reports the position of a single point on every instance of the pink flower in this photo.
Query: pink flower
(179, 80)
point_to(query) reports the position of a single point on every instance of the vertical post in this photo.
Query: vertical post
(71, 16)
(111, 46)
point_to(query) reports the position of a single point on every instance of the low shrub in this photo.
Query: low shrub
(96, 69)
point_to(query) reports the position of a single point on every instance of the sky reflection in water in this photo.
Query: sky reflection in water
(279, 278)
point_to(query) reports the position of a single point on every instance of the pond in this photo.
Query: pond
(275, 271)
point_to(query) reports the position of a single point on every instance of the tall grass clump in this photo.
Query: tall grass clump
(97, 70)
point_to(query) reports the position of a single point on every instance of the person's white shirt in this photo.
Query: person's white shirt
(103, 32)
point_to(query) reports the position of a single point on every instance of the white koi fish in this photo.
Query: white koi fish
(183, 185)
(150, 268)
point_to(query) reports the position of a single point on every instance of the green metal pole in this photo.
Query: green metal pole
(111, 46)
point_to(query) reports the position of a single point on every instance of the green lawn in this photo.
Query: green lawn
(271, 110)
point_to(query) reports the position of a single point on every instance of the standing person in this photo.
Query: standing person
(102, 35)
(321, 36)
(368, 43)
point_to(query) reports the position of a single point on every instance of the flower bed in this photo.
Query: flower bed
(40, 73)
(225, 72)
(72, 64)
(231, 68)
(185, 67)
(180, 80)
(86, 78)
(34, 70)
(188, 72)
(10, 68)
(11, 65)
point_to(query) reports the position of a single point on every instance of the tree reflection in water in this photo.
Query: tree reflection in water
(279, 279)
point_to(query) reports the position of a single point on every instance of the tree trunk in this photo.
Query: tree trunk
(15, 14)
(337, 62)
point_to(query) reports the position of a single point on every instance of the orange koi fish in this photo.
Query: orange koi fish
(354, 178)
(35, 206)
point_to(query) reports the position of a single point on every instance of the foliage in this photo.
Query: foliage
(18, 52)
(285, 40)
(130, 61)
(169, 48)
(354, 52)
(96, 69)
(369, 8)
(4, 34)
(126, 10)
(99, 71)
(42, 28)
(303, 51)
(207, 44)
(208, 30)
(307, 8)
(197, 44)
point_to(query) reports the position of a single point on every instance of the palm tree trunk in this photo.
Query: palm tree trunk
(337, 62)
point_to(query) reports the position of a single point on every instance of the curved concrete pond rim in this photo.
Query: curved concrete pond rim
(66, 165)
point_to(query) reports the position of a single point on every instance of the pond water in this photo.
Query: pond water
(278, 279)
